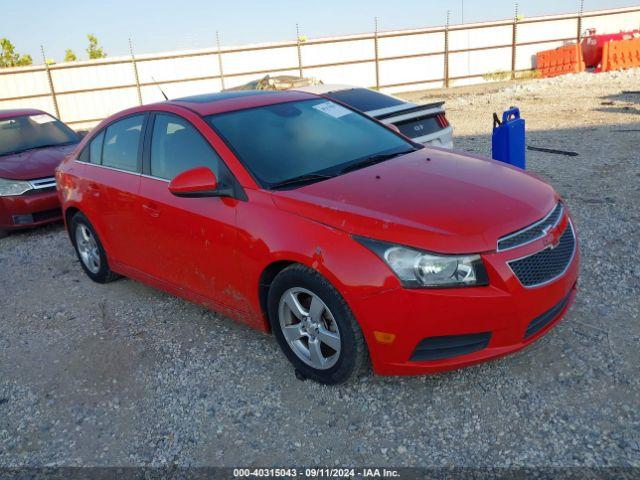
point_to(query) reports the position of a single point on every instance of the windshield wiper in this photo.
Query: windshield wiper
(316, 177)
(372, 160)
(301, 180)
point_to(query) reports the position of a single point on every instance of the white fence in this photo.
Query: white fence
(82, 93)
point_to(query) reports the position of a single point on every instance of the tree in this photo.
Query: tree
(9, 57)
(69, 56)
(93, 49)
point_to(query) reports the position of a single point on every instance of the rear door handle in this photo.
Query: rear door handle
(152, 210)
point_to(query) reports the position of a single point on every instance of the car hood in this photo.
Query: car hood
(38, 163)
(442, 201)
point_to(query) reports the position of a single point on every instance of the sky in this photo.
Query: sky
(162, 25)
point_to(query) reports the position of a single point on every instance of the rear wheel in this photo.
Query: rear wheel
(90, 251)
(3, 233)
(315, 327)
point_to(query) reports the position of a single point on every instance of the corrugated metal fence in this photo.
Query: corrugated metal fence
(82, 93)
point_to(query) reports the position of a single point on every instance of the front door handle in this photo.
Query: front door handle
(152, 210)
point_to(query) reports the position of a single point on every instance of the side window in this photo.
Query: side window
(176, 146)
(121, 143)
(92, 152)
(95, 149)
(84, 154)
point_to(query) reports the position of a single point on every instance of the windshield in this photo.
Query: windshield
(26, 132)
(295, 139)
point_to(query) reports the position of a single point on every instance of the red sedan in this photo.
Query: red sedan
(32, 145)
(302, 217)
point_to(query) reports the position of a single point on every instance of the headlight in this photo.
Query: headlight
(13, 187)
(416, 268)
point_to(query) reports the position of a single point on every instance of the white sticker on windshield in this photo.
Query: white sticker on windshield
(333, 109)
(42, 118)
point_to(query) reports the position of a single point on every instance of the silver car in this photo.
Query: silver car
(425, 124)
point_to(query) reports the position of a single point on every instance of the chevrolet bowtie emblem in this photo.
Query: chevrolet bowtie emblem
(551, 241)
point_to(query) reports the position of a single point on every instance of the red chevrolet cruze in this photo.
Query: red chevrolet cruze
(300, 216)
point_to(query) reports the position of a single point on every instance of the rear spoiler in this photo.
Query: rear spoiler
(417, 108)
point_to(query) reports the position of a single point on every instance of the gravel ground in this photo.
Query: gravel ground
(122, 374)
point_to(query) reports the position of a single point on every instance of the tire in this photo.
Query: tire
(322, 313)
(4, 233)
(90, 251)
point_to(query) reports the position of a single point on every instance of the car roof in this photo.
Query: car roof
(211, 103)
(17, 112)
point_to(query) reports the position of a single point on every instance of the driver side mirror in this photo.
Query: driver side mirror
(197, 182)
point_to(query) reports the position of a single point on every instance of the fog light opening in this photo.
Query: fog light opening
(22, 219)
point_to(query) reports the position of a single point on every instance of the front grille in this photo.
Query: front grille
(43, 183)
(533, 232)
(547, 317)
(439, 348)
(548, 264)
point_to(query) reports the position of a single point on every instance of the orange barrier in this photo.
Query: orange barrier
(620, 55)
(567, 59)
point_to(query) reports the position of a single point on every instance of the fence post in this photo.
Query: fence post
(298, 42)
(580, 12)
(220, 59)
(446, 50)
(375, 47)
(50, 78)
(135, 72)
(514, 45)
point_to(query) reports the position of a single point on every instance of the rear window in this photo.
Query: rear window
(364, 99)
(121, 144)
(95, 149)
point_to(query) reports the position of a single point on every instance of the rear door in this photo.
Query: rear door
(189, 242)
(122, 161)
(112, 175)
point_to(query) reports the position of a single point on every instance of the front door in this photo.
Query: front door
(189, 242)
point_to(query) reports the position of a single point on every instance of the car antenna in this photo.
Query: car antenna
(160, 88)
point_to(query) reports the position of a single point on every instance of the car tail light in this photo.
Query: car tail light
(442, 120)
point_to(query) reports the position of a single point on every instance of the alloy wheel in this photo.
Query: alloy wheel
(88, 248)
(309, 328)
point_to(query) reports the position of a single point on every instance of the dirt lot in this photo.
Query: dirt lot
(122, 374)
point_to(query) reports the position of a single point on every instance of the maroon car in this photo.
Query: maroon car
(32, 144)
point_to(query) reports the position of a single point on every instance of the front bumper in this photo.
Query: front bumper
(29, 210)
(513, 316)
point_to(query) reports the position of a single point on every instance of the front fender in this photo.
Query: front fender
(268, 234)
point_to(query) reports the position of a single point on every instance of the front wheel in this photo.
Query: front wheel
(315, 327)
